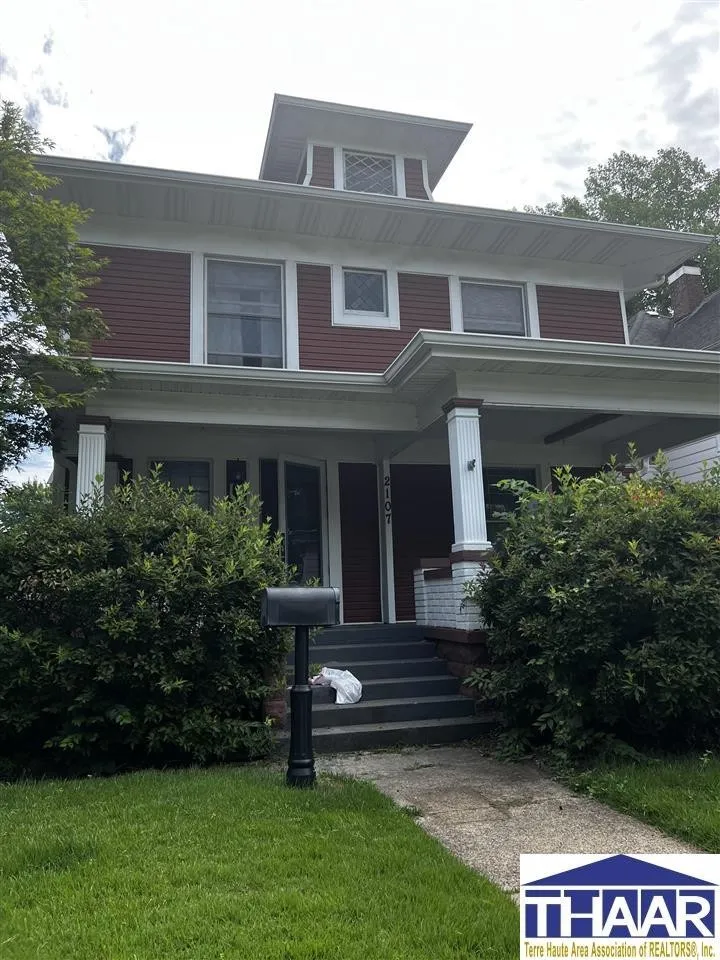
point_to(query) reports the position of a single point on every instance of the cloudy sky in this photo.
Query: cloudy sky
(551, 86)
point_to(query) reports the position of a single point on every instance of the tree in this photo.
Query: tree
(46, 325)
(672, 190)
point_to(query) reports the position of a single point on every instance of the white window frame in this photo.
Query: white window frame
(482, 282)
(379, 155)
(283, 304)
(354, 318)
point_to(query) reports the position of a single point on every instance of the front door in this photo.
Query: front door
(303, 505)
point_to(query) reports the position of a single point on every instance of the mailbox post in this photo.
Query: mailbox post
(302, 608)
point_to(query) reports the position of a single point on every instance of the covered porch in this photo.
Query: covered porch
(383, 484)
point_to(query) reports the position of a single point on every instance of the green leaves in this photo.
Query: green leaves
(45, 324)
(130, 634)
(603, 614)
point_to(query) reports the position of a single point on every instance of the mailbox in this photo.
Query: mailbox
(301, 607)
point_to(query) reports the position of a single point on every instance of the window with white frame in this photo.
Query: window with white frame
(369, 173)
(244, 313)
(493, 308)
(184, 474)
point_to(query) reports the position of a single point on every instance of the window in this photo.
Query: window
(369, 173)
(235, 476)
(188, 473)
(365, 291)
(493, 308)
(501, 501)
(244, 313)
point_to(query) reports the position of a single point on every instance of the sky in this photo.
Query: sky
(551, 86)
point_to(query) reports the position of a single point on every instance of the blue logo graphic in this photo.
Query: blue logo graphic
(621, 897)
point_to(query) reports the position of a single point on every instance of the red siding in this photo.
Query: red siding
(567, 313)
(323, 169)
(422, 524)
(144, 296)
(360, 542)
(414, 184)
(424, 304)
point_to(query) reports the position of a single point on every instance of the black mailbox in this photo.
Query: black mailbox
(301, 607)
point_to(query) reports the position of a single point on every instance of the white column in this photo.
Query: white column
(468, 494)
(91, 460)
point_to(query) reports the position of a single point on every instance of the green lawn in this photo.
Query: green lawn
(681, 796)
(229, 863)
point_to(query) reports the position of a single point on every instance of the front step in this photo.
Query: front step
(386, 650)
(369, 736)
(391, 711)
(366, 670)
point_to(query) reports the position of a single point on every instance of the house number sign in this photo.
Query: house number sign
(387, 507)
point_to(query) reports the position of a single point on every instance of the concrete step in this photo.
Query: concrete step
(432, 685)
(371, 736)
(347, 653)
(392, 711)
(366, 670)
(365, 633)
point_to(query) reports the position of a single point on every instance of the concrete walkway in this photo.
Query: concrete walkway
(488, 813)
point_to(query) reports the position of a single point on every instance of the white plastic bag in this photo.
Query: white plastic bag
(348, 687)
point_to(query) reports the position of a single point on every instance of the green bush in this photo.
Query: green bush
(602, 608)
(130, 632)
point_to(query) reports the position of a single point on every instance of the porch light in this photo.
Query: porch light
(302, 608)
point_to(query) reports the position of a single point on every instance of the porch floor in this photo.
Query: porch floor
(409, 697)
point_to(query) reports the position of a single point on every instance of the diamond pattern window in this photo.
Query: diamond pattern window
(370, 173)
(365, 291)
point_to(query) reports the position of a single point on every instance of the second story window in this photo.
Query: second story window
(365, 291)
(369, 173)
(493, 308)
(244, 313)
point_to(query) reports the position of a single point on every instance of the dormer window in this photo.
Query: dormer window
(369, 173)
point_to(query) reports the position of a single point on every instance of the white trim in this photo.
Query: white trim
(623, 313)
(456, 310)
(334, 530)
(687, 270)
(426, 182)
(343, 318)
(386, 558)
(197, 307)
(400, 188)
(533, 313)
(309, 160)
(338, 166)
(291, 324)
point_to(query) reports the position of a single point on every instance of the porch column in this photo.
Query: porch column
(92, 435)
(468, 494)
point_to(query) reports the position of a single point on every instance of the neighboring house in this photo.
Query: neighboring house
(694, 325)
(370, 360)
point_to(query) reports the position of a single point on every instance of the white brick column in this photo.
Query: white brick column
(91, 459)
(468, 494)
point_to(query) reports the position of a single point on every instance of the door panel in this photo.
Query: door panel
(360, 542)
(304, 519)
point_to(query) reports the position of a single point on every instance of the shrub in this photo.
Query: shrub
(130, 631)
(602, 607)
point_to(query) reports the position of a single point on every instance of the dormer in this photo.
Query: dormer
(330, 145)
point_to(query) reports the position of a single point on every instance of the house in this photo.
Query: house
(694, 325)
(370, 360)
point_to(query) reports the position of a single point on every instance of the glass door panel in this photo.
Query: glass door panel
(303, 520)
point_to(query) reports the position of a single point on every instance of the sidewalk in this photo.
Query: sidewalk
(488, 813)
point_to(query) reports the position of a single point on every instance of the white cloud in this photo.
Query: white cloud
(37, 466)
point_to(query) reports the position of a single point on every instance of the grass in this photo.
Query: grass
(229, 863)
(679, 795)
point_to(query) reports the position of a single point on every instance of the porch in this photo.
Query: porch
(377, 480)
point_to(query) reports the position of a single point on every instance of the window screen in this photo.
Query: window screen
(493, 308)
(244, 314)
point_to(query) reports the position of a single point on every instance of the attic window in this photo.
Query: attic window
(369, 173)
